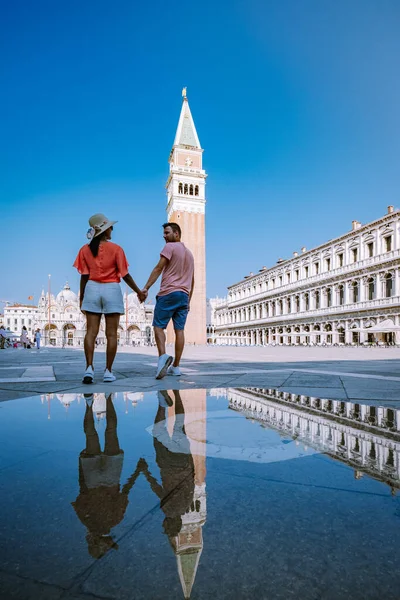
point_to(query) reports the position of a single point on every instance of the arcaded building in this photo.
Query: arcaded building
(346, 291)
(62, 323)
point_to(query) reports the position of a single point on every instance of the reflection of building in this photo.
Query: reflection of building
(62, 323)
(186, 206)
(365, 437)
(331, 294)
(188, 544)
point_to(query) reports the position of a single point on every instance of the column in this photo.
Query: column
(361, 289)
(396, 289)
(347, 333)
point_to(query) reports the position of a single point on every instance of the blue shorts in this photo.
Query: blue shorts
(173, 306)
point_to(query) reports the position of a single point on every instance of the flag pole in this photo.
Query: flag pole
(126, 314)
(49, 309)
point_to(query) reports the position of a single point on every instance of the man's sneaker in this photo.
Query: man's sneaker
(174, 371)
(88, 375)
(164, 399)
(108, 376)
(164, 362)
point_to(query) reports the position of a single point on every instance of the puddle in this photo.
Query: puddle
(223, 493)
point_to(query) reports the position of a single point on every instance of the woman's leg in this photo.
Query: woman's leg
(92, 329)
(112, 322)
(92, 438)
(111, 446)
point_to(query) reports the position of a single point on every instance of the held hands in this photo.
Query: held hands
(142, 464)
(142, 295)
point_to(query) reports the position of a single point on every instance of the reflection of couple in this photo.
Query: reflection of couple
(101, 503)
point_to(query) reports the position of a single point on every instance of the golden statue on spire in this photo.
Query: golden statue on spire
(184, 91)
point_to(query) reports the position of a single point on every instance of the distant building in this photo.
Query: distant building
(346, 291)
(62, 323)
(17, 316)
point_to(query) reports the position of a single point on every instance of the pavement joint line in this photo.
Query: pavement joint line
(344, 389)
(359, 375)
(27, 379)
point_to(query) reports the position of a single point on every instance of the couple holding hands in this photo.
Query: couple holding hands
(102, 264)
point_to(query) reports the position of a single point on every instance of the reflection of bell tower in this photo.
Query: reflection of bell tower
(186, 206)
(188, 544)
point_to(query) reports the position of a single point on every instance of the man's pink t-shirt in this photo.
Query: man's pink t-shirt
(178, 274)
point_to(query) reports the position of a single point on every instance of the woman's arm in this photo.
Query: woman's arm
(129, 281)
(84, 280)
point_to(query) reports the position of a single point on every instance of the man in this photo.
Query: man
(173, 300)
(37, 337)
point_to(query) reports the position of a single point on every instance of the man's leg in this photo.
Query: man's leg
(160, 338)
(92, 329)
(179, 346)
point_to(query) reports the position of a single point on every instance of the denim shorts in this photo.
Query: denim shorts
(173, 306)
(103, 298)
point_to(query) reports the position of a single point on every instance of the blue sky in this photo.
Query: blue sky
(296, 105)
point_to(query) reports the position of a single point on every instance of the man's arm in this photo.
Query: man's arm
(156, 272)
(84, 280)
(191, 292)
(191, 289)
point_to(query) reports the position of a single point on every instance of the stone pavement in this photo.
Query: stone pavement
(362, 374)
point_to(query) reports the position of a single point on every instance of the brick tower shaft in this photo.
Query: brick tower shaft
(186, 206)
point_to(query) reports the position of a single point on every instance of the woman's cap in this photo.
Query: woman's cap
(98, 224)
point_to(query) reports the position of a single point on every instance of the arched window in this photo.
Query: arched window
(341, 294)
(317, 299)
(186, 188)
(196, 190)
(297, 300)
(329, 297)
(191, 190)
(371, 288)
(355, 291)
(307, 301)
(273, 308)
(180, 188)
(388, 285)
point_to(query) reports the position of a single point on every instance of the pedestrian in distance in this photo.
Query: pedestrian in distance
(173, 300)
(24, 337)
(102, 264)
(37, 338)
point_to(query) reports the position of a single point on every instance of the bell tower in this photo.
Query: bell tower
(186, 206)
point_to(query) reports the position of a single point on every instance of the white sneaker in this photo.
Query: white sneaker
(89, 399)
(108, 376)
(164, 362)
(88, 375)
(174, 371)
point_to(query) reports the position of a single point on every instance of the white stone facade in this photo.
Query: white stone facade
(17, 316)
(61, 322)
(331, 294)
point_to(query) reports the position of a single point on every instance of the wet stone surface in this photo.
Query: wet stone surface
(220, 493)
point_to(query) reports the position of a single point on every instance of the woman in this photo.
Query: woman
(24, 338)
(101, 264)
